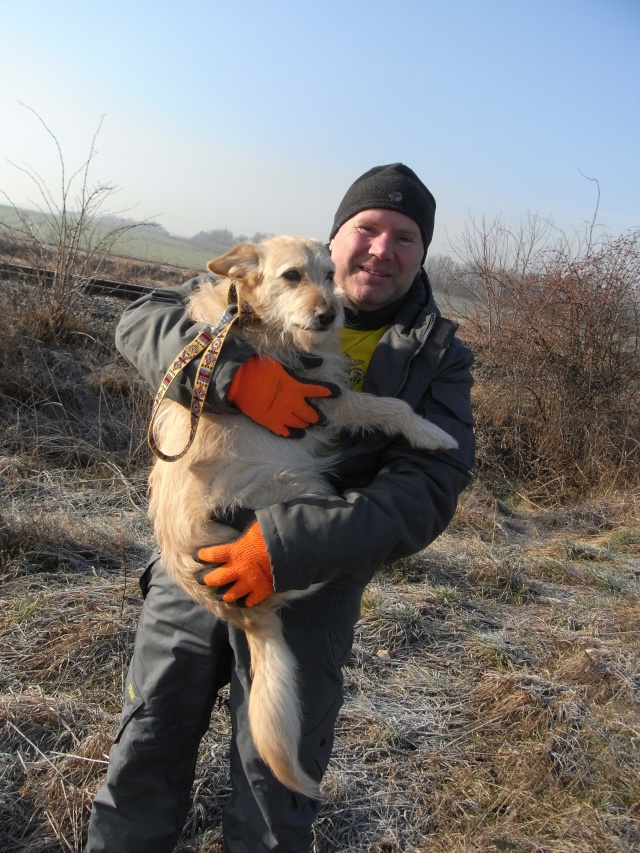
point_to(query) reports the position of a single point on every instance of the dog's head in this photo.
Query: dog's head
(288, 281)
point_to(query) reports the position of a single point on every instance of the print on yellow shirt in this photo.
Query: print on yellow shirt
(358, 346)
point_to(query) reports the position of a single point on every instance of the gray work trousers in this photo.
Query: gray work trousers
(182, 656)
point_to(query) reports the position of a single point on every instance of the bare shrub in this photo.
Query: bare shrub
(70, 236)
(556, 332)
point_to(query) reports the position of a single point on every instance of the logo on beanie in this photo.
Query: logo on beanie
(395, 196)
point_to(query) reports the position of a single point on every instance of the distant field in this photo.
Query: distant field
(164, 249)
(142, 244)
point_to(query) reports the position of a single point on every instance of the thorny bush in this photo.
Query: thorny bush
(556, 334)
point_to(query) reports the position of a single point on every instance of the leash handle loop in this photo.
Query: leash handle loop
(208, 342)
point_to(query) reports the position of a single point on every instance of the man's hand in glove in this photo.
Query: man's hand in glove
(276, 398)
(242, 567)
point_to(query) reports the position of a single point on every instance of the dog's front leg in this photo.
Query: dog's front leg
(356, 411)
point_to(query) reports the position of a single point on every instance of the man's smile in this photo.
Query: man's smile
(376, 273)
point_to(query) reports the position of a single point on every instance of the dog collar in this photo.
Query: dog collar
(244, 311)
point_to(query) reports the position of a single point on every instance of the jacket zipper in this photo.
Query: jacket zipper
(427, 331)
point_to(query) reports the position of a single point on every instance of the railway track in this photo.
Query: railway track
(101, 286)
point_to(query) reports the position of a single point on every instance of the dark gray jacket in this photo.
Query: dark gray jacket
(391, 500)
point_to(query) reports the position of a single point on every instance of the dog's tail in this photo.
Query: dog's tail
(274, 707)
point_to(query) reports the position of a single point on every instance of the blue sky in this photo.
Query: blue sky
(257, 116)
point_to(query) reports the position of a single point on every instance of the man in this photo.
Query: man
(390, 501)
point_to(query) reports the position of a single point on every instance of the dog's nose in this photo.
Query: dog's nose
(325, 316)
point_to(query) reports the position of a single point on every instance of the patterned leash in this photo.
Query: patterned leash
(208, 342)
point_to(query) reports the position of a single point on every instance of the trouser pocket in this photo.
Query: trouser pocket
(133, 701)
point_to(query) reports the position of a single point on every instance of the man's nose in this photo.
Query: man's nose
(381, 246)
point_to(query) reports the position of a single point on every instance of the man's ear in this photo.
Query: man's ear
(239, 262)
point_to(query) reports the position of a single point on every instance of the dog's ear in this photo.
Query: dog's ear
(242, 260)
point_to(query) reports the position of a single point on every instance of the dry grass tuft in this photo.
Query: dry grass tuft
(59, 748)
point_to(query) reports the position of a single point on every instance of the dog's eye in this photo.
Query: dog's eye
(292, 275)
(330, 275)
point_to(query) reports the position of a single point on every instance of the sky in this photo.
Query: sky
(257, 116)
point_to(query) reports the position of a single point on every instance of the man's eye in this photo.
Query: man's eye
(292, 275)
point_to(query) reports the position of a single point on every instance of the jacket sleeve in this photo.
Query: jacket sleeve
(409, 501)
(154, 329)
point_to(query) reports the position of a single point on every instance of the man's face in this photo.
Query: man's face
(377, 254)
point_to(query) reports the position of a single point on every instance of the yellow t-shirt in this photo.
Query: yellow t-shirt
(358, 345)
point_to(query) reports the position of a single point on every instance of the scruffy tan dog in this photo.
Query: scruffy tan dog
(234, 462)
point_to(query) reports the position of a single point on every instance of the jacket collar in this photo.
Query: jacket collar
(403, 310)
(409, 328)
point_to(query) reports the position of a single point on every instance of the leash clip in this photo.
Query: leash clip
(228, 316)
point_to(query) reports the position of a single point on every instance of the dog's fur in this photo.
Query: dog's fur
(233, 462)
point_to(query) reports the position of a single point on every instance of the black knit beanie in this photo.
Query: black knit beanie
(394, 187)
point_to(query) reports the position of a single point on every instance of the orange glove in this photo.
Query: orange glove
(243, 567)
(275, 398)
